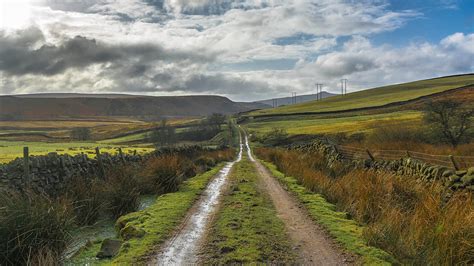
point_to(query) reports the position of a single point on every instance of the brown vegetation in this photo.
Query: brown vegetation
(402, 216)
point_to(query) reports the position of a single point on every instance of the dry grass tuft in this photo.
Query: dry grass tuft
(402, 216)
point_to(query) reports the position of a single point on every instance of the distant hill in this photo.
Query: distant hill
(43, 106)
(299, 99)
(376, 97)
(76, 95)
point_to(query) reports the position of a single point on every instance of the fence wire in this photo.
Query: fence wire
(453, 162)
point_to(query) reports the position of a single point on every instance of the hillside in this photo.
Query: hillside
(299, 99)
(375, 97)
(24, 107)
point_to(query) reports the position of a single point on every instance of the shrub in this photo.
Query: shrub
(87, 197)
(33, 228)
(121, 192)
(163, 174)
(277, 136)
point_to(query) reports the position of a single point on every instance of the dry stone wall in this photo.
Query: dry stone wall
(50, 173)
(452, 179)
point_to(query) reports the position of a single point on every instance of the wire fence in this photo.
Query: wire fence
(449, 161)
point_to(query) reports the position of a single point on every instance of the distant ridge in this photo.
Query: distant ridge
(75, 95)
(299, 99)
(64, 105)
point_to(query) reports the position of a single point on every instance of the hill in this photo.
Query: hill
(299, 99)
(146, 107)
(376, 97)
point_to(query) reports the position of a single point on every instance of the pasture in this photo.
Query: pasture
(374, 97)
(354, 123)
(9, 150)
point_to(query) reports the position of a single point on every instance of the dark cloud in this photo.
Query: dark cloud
(221, 83)
(19, 56)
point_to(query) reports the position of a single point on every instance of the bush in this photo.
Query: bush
(121, 192)
(80, 133)
(162, 174)
(277, 136)
(87, 197)
(33, 228)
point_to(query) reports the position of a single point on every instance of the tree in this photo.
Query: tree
(163, 135)
(450, 119)
(216, 120)
(81, 133)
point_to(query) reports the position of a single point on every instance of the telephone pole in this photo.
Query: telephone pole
(343, 86)
(319, 90)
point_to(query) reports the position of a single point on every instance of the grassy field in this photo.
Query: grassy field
(9, 150)
(330, 124)
(102, 128)
(374, 97)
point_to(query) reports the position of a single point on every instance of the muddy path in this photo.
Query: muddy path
(312, 242)
(183, 247)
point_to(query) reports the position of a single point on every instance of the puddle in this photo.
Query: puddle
(249, 152)
(182, 248)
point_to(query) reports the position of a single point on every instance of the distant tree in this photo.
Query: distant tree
(216, 120)
(81, 133)
(164, 135)
(450, 119)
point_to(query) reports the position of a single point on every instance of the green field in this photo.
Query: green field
(374, 97)
(9, 150)
(329, 124)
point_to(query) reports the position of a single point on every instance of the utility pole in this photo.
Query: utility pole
(293, 97)
(319, 90)
(343, 86)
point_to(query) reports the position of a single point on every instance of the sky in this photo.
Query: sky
(242, 49)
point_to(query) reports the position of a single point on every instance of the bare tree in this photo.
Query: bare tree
(163, 135)
(450, 118)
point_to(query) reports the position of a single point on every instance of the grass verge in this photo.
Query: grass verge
(144, 230)
(347, 232)
(246, 228)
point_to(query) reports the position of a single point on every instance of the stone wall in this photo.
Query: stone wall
(50, 173)
(453, 180)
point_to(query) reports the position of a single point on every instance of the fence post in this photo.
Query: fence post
(26, 163)
(455, 164)
(121, 155)
(370, 155)
(99, 162)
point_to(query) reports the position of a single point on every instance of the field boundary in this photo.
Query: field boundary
(450, 161)
(415, 164)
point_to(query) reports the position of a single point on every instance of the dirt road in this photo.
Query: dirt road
(313, 244)
(310, 241)
(183, 247)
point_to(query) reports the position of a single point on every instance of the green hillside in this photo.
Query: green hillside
(375, 97)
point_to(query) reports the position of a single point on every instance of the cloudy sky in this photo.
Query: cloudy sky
(242, 49)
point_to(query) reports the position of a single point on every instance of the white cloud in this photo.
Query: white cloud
(328, 39)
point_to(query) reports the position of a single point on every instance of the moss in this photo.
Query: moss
(246, 228)
(345, 231)
(157, 222)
